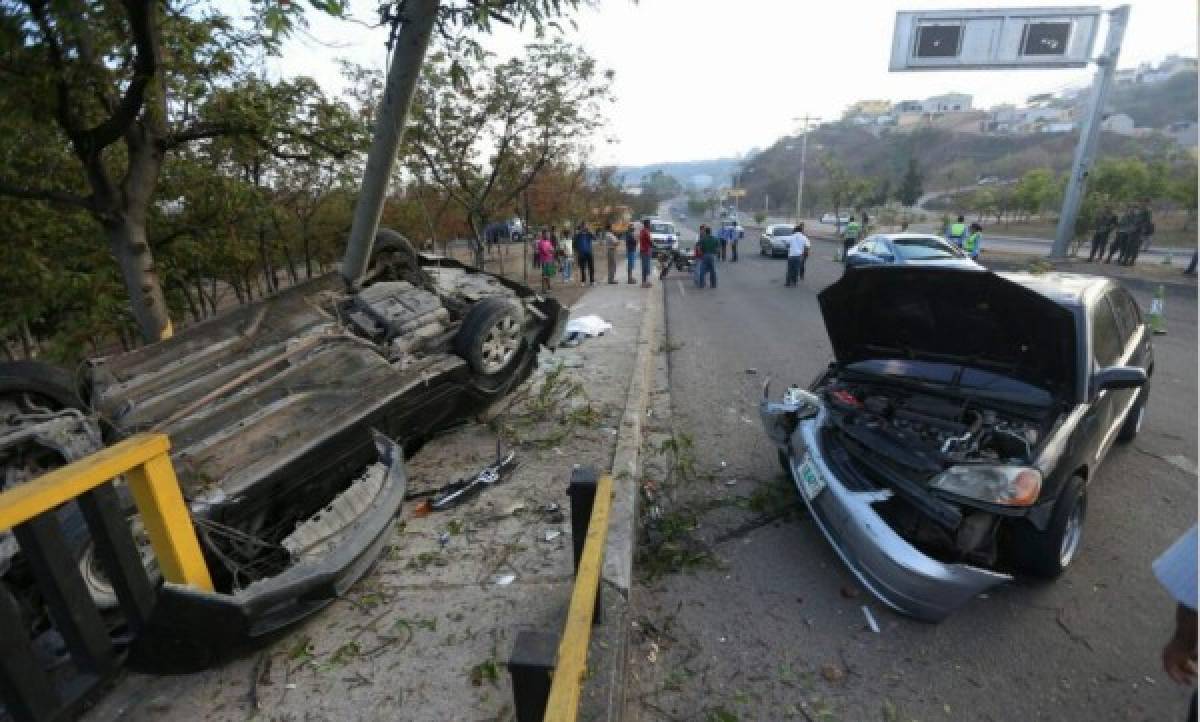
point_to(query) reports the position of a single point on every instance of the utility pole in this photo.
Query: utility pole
(408, 55)
(806, 119)
(1089, 131)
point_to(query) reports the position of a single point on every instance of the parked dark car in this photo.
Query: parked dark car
(287, 420)
(908, 249)
(952, 442)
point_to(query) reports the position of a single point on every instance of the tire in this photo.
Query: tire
(1137, 414)
(393, 257)
(1047, 554)
(492, 337)
(50, 385)
(40, 379)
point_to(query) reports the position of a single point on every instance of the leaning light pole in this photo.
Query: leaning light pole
(1089, 131)
(803, 165)
(408, 55)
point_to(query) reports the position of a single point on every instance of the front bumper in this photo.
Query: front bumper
(894, 571)
(191, 629)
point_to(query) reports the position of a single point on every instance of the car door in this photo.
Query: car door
(1107, 349)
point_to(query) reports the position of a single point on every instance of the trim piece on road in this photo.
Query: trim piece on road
(681, 291)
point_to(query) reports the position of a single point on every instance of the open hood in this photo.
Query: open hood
(975, 318)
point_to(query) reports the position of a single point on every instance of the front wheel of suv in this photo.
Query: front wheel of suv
(1048, 553)
(492, 337)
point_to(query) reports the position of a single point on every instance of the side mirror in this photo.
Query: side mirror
(1119, 377)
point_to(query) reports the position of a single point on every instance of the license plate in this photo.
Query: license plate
(811, 481)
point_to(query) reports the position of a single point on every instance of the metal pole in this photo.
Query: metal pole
(407, 58)
(1089, 131)
(800, 181)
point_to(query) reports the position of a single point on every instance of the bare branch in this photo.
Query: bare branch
(49, 195)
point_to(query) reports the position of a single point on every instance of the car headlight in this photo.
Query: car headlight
(1004, 485)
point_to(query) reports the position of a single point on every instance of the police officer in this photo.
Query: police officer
(1144, 227)
(1127, 234)
(850, 236)
(1108, 221)
(957, 232)
(973, 243)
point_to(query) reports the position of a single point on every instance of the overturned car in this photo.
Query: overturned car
(287, 419)
(951, 443)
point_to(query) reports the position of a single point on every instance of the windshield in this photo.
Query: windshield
(662, 228)
(781, 231)
(924, 248)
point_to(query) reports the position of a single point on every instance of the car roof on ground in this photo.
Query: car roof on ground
(1067, 289)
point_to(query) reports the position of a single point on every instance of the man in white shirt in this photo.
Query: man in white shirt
(798, 245)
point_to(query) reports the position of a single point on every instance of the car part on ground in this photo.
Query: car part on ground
(949, 444)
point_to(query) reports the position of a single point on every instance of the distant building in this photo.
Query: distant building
(869, 108)
(1119, 123)
(948, 103)
(1057, 127)
(1183, 133)
(1010, 120)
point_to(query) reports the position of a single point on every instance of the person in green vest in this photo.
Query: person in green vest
(850, 235)
(957, 232)
(972, 244)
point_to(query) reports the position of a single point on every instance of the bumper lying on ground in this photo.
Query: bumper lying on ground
(892, 569)
(191, 629)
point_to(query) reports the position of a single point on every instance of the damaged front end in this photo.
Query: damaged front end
(323, 556)
(874, 522)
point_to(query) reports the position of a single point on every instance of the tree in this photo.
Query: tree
(485, 141)
(126, 85)
(844, 191)
(910, 189)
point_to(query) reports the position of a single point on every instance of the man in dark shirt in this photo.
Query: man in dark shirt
(583, 251)
(631, 247)
(709, 248)
(1108, 221)
(646, 250)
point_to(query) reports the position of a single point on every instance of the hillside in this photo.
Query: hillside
(946, 159)
(719, 169)
(1157, 105)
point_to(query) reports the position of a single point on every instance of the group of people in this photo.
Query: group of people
(710, 248)
(967, 237)
(1133, 232)
(560, 254)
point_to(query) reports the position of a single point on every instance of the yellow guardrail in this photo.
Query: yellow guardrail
(571, 665)
(145, 462)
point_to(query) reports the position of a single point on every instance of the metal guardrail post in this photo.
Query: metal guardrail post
(582, 492)
(531, 667)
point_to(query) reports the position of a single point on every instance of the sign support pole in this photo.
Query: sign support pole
(1089, 131)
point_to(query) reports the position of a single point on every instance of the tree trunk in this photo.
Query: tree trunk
(127, 240)
(476, 221)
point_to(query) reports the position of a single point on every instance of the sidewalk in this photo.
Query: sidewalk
(426, 634)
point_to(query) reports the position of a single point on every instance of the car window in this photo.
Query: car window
(880, 248)
(1128, 316)
(1106, 336)
(781, 230)
(662, 228)
(924, 248)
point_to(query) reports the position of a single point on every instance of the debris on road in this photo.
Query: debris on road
(870, 619)
(751, 372)
(454, 494)
(551, 534)
(833, 673)
(503, 580)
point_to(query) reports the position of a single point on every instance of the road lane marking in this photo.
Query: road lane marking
(681, 291)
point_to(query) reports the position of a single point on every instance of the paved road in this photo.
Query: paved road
(776, 631)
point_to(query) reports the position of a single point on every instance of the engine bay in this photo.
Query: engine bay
(938, 428)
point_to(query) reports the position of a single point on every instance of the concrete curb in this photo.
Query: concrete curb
(622, 528)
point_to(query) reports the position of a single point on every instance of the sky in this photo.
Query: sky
(698, 79)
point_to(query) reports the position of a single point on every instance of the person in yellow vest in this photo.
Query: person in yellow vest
(972, 244)
(957, 232)
(850, 235)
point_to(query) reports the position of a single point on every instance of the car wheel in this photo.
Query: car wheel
(40, 383)
(1137, 414)
(393, 257)
(492, 336)
(1048, 553)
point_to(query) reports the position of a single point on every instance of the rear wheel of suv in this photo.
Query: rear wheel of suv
(1048, 553)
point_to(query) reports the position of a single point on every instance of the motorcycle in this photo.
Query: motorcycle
(674, 258)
